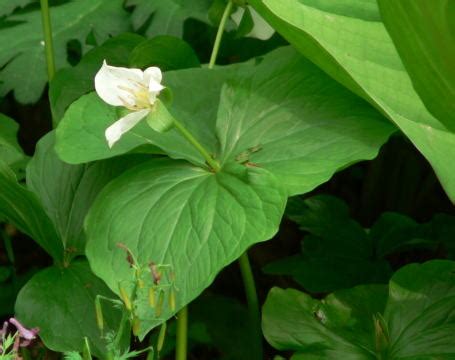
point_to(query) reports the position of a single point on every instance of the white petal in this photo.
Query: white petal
(112, 84)
(114, 132)
(153, 73)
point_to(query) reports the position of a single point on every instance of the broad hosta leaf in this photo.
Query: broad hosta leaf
(172, 212)
(61, 302)
(71, 83)
(10, 150)
(424, 35)
(167, 16)
(347, 39)
(286, 116)
(336, 254)
(415, 320)
(67, 191)
(22, 46)
(22, 208)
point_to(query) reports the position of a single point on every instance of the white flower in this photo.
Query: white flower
(133, 89)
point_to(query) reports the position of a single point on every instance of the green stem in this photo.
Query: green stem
(219, 34)
(47, 30)
(252, 299)
(182, 339)
(210, 160)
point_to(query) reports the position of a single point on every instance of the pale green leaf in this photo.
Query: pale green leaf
(347, 39)
(424, 35)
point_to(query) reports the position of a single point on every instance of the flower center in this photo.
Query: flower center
(140, 96)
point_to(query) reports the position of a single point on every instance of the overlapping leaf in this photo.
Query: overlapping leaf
(22, 208)
(424, 35)
(415, 320)
(22, 45)
(347, 39)
(66, 192)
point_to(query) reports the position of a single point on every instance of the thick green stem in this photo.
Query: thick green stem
(219, 34)
(182, 337)
(252, 300)
(47, 30)
(210, 160)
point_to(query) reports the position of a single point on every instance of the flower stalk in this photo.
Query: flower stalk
(48, 44)
(219, 34)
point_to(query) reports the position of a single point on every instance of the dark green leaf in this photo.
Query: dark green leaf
(415, 321)
(61, 302)
(22, 47)
(167, 16)
(23, 209)
(166, 52)
(338, 254)
(67, 191)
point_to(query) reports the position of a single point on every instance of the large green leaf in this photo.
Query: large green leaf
(61, 302)
(71, 83)
(424, 35)
(22, 208)
(347, 39)
(67, 191)
(415, 321)
(167, 16)
(303, 125)
(171, 212)
(22, 48)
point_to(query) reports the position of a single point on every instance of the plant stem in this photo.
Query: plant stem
(182, 339)
(252, 299)
(219, 34)
(210, 160)
(244, 263)
(47, 30)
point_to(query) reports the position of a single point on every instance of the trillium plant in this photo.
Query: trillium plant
(196, 181)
